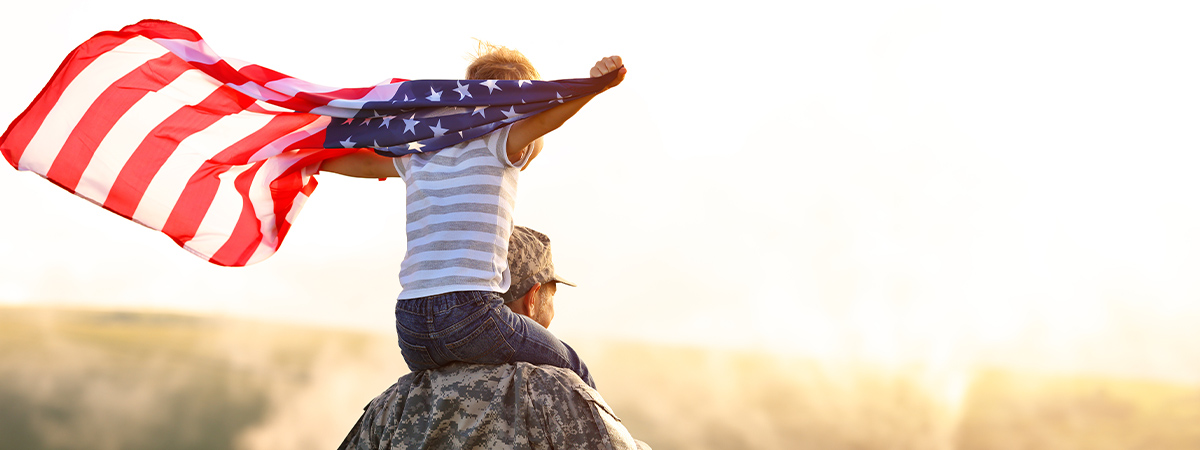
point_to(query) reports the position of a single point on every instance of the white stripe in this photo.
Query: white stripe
(216, 229)
(170, 181)
(463, 182)
(222, 216)
(277, 147)
(454, 200)
(377, 93)
(413, 259)
(254, 90)
(78, 97)
(192, 51)
(267, 247)
(335, 112)
(473, 217)
(454, 236)
(264, 205)
(128, 132)
(237, 64)
(292, 86)
(270, 107)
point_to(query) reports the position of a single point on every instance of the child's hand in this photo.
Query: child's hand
(607, 65)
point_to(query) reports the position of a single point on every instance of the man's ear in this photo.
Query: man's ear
(530, 299)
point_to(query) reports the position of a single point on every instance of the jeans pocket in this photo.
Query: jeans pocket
(485, 345)
(416, 356)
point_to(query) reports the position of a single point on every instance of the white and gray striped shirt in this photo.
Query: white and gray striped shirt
(459, 204)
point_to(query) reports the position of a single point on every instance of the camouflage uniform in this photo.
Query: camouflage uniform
(475, 406)
(508, 406)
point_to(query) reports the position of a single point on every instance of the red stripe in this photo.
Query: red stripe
(316, 140)
(202, 187)
(154, 150)
(156, 29)
(302, 101)
(22, 130)
(284, 191)
(113, 103)
(245, 236)
(280, 126)
(292, 183)
(323, 98)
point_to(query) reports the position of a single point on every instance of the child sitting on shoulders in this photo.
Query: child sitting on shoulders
(459, 218)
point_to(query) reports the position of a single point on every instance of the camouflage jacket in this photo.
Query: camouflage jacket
(469, 406)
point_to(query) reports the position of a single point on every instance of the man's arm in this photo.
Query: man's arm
(364, 163)
(526, 131)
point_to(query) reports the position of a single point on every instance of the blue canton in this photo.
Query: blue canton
(429, 115)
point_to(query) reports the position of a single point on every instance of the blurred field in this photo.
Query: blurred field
(121, 380)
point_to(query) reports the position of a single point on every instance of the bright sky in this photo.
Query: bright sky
(924, 181)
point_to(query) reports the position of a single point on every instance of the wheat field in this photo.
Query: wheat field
(76, 379)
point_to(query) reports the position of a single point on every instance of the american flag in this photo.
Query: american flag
(218, 154)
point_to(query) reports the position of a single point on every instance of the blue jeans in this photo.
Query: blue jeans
(476, 327)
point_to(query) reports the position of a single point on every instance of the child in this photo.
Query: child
(459, 204)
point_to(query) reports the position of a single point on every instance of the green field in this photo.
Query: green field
(73, 379)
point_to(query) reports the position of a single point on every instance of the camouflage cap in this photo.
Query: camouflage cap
(529, 262)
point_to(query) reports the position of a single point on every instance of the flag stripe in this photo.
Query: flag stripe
(245, 236)
(225, 211)
(16, 139)
(168, 184)
(202, 188)
(116, 151)
(78, 97)
(162, 143)
(103, 113)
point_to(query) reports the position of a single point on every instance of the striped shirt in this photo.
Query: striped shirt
(459, 203)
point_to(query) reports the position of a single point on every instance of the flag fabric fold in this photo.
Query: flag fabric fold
(151, 124)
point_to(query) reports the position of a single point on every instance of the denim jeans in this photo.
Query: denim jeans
(476, 327)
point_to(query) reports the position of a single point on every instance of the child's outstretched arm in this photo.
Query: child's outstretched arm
(527, 131)
(364, 163)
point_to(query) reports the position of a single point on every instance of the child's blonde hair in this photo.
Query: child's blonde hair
(495, 62)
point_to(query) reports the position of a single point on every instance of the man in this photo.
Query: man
(508, 406)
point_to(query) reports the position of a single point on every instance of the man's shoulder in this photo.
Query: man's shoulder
(477, 380)
(517, 405)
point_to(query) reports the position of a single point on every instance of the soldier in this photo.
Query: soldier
(507, 406)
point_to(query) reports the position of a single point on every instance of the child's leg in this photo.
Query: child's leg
(476, 327)
(533, 343)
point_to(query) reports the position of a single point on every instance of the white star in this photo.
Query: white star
(348, 121)
(409, 125)
(512, 112)
(523, 82)
(560, 100)
(347, 143)
(491, 85)
(463, 91)
(409, 99)
(387, 122)
(415, 146)
(438, 131)
(365, 121)
(436, 97)
(481, 110)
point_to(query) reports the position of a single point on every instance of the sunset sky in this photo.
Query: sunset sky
(892, 181)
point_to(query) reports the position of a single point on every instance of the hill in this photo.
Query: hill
(127, 380)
